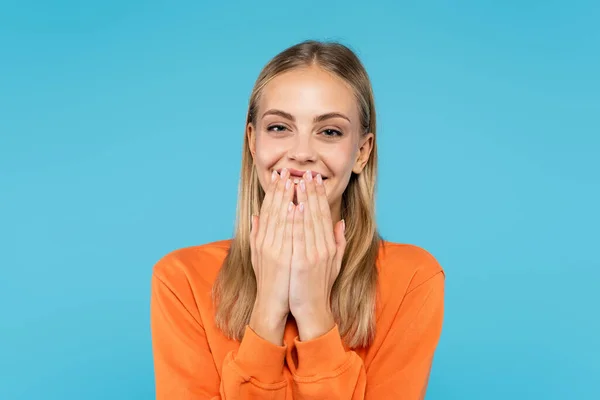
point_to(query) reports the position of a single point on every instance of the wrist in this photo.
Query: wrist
(312, 325)
(268, 324)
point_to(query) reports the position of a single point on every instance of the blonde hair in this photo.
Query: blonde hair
(353, 296)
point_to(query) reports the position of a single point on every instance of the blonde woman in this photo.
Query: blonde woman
(306, 301)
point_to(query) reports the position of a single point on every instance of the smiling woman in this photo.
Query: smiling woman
(311, 120)
(306, 301)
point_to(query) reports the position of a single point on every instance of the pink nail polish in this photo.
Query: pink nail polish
(288, 184)
(343, 226)
(284, 173)
(291, 206)
(273, 176)
(302, 186)
(308, 176)
(319, 179)
(301, 207)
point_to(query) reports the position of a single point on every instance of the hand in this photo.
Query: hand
(317, 252)
(271, 253)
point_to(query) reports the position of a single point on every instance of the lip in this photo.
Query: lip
(297, 173)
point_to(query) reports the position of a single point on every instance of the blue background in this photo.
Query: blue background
(120, 138)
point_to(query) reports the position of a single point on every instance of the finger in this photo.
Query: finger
(326, 221)
(266, 205)
(274, 210)
(306, 218)
(340, 242)
(315, 215)
(287, 235)
(285, 208)
(298, 237)
(268, 199)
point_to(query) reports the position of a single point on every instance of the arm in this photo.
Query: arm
(399, 369)
(184, 365)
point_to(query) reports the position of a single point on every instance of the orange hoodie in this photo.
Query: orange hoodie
(194, 360)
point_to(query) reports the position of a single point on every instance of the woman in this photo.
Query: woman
(306, 301)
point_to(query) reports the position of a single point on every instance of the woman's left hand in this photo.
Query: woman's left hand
(317, 252)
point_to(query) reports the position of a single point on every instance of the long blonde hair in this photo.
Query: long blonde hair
(353, 296)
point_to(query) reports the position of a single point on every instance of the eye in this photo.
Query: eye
(331, 133)
(276, 128)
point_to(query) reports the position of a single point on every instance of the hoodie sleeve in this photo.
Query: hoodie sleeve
(183, 364)
(400, 368)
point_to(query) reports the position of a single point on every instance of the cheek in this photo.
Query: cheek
(267, 151)
(340, 160)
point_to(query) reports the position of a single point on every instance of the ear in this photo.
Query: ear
(364, 152)
(251, 138)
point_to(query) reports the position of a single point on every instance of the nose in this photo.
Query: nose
(301, 149)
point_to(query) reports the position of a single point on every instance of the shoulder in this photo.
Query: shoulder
(404, 267)
(192, 265)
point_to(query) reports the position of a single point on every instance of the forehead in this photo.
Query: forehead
(309, 92)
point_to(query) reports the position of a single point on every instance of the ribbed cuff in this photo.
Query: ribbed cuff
(260, 359)
(321, 355)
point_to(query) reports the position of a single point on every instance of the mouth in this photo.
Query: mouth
(296, 175)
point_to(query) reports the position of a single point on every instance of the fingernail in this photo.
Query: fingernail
(284, 173)
(302, 186)
(301, 207)
(319, 179)
(288, 183)
(343, 226)
(291, 206)
(308, 175)
(273, 176)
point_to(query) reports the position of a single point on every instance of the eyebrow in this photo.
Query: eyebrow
(318, 118)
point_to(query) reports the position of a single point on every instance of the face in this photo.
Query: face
(308, 119)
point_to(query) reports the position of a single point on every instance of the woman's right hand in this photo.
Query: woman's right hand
(271, 249)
